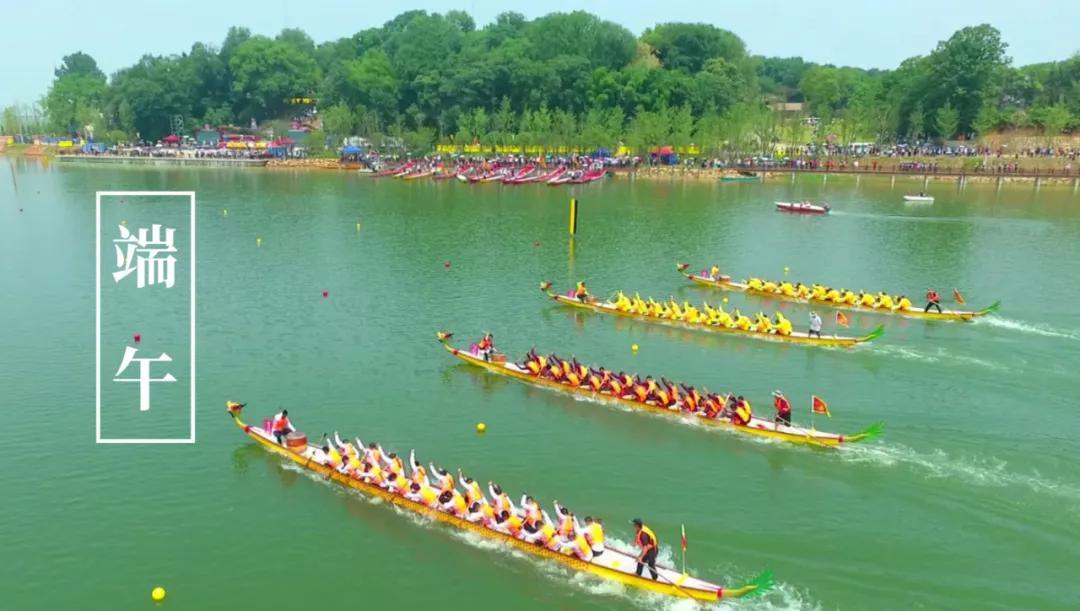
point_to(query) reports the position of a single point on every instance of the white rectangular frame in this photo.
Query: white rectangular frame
(97, 317)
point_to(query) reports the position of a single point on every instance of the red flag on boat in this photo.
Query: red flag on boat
(958, 297)
(819, 406)
(841, 319)
(684, 537)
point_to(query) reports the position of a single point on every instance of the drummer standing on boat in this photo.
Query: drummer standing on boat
(933, 300)
(581, 293)
(815, 325)
(650, 547)
(280, 426)
(783, 408)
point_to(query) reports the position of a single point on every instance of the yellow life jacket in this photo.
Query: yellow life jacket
(850, 298)
(818, 292)
(754, 284)
(460, 507)
(885, 302)
(595, 534)
(802, 292)
(582, 547)
(428, 495)
(904, 304)
(473, 493)
(787, 289)
(867, 300)
(769, 286)
(833, 295)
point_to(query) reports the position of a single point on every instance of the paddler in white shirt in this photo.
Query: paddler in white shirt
(423, 494)
(545, 534)
(531, 513)
(568, 524)
(419, 474)
(443, 480)
(499, 500)
(453, 503)
(594, 532)
(473, 493)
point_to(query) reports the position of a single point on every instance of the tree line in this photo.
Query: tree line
(563, 79)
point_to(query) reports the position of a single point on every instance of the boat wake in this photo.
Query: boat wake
(977, 471)
(938, 356)
(1023, 327)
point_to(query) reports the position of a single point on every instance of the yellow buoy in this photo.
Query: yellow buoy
(786, 269)
(358, 226)
(634, 348)
(481, 427)
(226, 212)
(725, 299)
(157, 594)
(258, 241)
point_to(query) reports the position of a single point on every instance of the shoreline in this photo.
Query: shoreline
(1058, 176)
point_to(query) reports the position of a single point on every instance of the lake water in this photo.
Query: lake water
(970, 500)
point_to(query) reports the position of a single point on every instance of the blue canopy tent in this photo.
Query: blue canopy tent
(352, 150)
(601, 153)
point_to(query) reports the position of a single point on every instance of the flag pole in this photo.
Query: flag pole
(684, 549)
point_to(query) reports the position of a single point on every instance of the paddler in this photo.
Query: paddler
(544, 534)
(443, 480)
(714, 273)
(594, 533)
(452, 502)
(481, 512)
(423, 494)
(933, 300)
(884, 302)
(581, 292)
(579, 547)
(646, 540)
(783, 408)
(783, 325)
(568, 524)
(787, 289)
(903, 304)
(815, 325)
(833, 295)
(280, 426)
(419, 474)
(850, 297)
(755, 284)
(867, 300)
(499, 500)
(473, 493)
(742, 413)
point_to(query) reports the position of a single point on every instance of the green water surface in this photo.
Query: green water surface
(971, 500)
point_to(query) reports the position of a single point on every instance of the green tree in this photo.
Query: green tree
(986, 120)
(338, 121)
(967, 68)
(687, 46)
(947, 121)
(266, 73)
(1053, 120)
(9, 123)
(916, 120)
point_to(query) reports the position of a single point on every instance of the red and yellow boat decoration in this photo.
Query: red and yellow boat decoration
(648, 395)
(612, 564)
(704, 319)
(823, 296)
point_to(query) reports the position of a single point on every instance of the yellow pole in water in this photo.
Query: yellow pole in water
(573, 215)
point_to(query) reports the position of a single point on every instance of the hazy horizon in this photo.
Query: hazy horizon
(852, 34)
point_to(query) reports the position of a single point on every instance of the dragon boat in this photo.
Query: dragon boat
(613, 564)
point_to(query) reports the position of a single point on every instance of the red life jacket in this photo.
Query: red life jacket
(783, 406)
(281, 423)
(933, 296)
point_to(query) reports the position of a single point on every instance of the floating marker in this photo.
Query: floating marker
(786, 269)
(124, 223)
(226, 212)
(634, 348)
(358, 227)
(536, 244)
(258, 241)
(725, 299)
(325, 294)
(446, 264)
(137, 337)
(573, 216)
(481, 427)
(157, 594)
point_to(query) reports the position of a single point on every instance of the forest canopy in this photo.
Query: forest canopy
(565, 78)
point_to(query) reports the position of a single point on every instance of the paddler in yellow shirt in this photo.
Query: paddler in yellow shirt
(833, 295)
(884, 302)
(802, 291)
(866, 300)
(714, 273)
(754, 284)
(787, 289)
(903, 304)
(783, 325)
(769, 286)
(850, 298)
(741, 321)
(762, 325)
(594, 532)
(818, 292)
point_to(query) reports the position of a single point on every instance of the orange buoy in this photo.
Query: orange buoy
(446, 264)
(137, 337)
(325, 294)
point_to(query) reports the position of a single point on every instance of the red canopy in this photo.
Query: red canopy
(662, 151)
(286, 141)
(171, 139)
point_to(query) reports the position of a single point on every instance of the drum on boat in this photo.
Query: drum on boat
(296, 441)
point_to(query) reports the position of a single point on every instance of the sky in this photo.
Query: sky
(866, 34)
